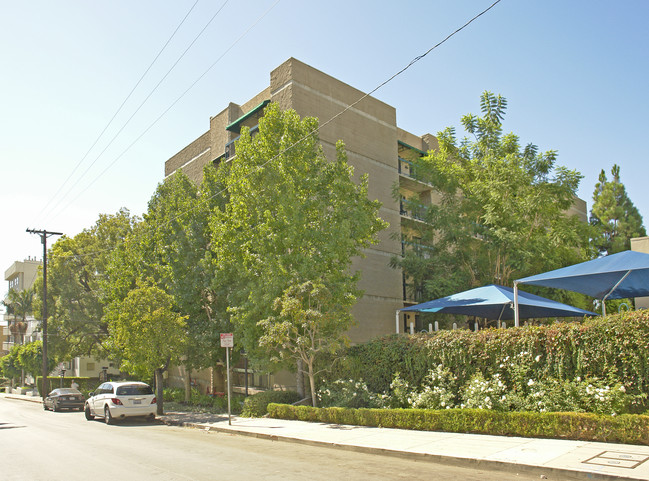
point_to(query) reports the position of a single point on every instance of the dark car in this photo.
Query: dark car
(64, 398)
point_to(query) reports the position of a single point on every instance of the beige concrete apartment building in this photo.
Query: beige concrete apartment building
(20, 275)
(375, 145)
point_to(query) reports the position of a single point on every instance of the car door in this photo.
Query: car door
(95, 399)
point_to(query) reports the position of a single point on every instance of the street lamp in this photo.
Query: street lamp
(62, 376)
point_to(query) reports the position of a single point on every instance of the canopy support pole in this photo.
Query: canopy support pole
(611, 292)
(501, 313)
(516, 320)
(397, 323)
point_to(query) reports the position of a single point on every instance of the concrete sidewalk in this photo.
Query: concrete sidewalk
(553, 459)
(547, 458)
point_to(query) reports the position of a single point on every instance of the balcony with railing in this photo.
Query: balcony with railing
(230, 147)
(412, 210)
(412, 293)
(418, 249)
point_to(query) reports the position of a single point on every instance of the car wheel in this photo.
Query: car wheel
(107, 416)
(89, 416)
(151, 417)
(45, 406)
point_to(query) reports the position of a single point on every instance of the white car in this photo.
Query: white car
(118, 400)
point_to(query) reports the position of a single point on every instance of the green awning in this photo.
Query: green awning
(236, 125)
(408, 146)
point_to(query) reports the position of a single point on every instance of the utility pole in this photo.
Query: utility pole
(44, 235)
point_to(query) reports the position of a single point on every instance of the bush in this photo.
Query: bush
(612, 353)
(255, 406)
(349, 394)
(626, 429)
(86, 384)
(481, 393)
(177, 394)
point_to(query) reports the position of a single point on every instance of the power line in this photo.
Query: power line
(170, 106)
(258, 168)
(317, 129)
(141, 105)
(116, 112)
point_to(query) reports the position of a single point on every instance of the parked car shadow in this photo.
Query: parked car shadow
(132, 422)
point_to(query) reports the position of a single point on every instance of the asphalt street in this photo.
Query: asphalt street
(44, 445)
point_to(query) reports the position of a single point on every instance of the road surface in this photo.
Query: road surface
(44, 445)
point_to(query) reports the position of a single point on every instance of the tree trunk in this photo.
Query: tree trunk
(158, 389)
(312, 384)
(188, 385)
(300, 379)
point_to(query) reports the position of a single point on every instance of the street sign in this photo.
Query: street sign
(227, 339)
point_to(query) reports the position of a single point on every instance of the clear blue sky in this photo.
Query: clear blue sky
(574, 74)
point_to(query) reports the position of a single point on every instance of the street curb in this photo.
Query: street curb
(492, 465)
(17, 397)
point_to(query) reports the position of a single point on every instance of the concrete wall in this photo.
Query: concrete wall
(192, 158)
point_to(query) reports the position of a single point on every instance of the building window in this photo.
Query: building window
(90, 366)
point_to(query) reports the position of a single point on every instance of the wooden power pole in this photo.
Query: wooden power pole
(44, 235)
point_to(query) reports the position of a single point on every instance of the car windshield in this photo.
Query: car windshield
(134, 389)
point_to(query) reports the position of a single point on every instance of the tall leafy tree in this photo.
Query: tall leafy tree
(176, 226)
(292, 216)
(169, 247)
(614, 217)
(500, 214)
(147, 333)
(77, 274)
(307, 322)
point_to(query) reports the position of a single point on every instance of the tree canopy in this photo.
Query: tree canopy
(614, 217)
(77, 275)
(501, 210)
(292, 216)
(147, 334)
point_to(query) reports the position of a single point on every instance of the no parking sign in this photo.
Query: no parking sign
(227, 339)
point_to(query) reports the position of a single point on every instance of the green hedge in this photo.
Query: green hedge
(256, 405)
(615, 346)
(86, 384)
(626, 429)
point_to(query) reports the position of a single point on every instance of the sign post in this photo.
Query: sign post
(227, 341)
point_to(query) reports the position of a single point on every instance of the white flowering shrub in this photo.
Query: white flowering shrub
(589, 395)
(603, 397)
(400, 394)
(438, 390)
(481, 393)
(348, 393)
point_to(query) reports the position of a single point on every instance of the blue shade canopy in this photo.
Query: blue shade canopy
(497, 302)
(617, 276)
